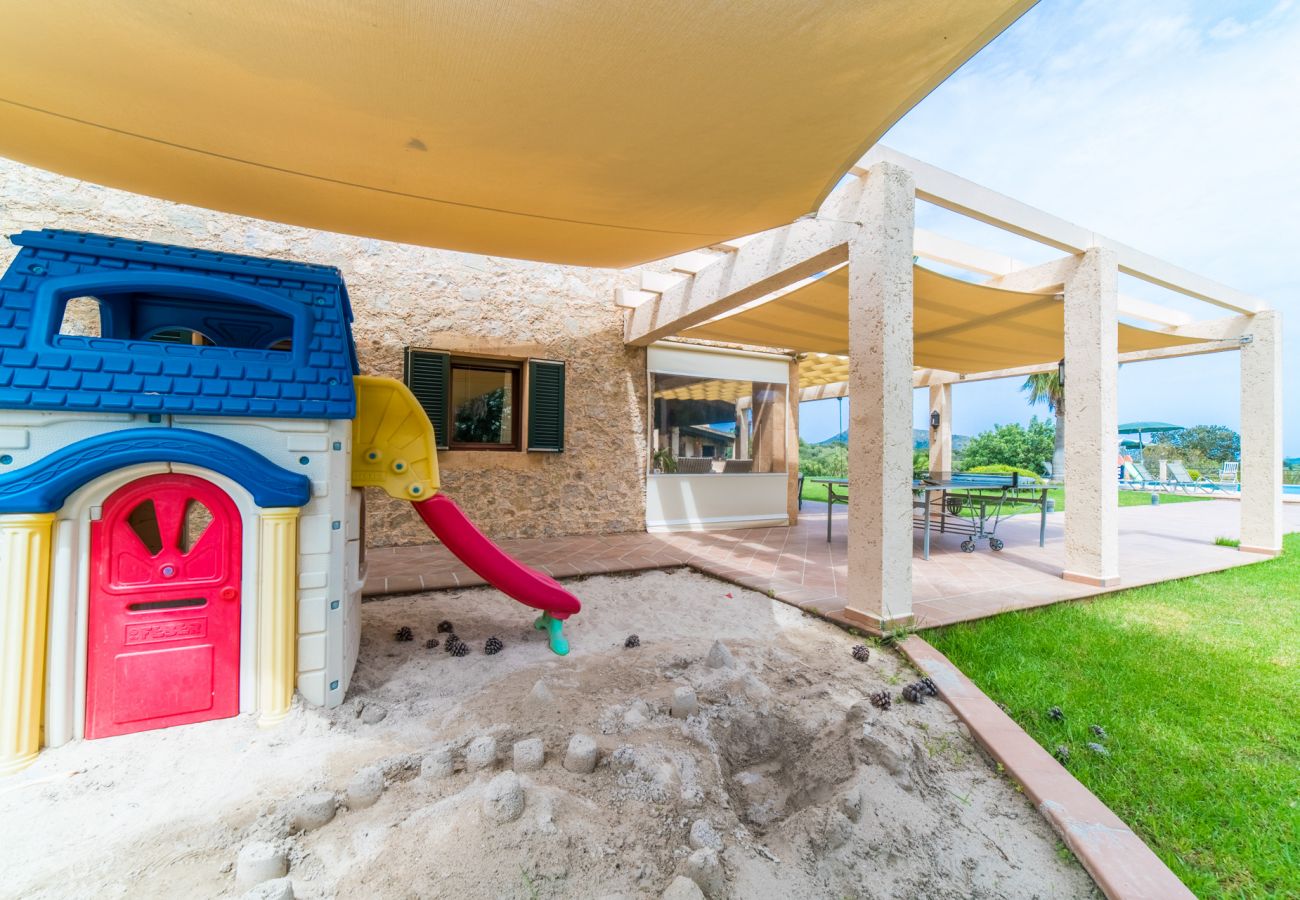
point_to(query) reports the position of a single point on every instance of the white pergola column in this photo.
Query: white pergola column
(941, 437)
(742, 433)
(792, 444)
(880, 417)
(1091, 420)
(1261, 435)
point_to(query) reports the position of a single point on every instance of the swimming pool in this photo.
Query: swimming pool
(1286, 488)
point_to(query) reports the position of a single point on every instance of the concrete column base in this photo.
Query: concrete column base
(1266, 551)
(874, 623)
(1093, 580)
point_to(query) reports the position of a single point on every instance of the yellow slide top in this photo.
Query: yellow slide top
(393, 446)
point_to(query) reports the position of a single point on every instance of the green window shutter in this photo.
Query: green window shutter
(545, 405)
(428, 375)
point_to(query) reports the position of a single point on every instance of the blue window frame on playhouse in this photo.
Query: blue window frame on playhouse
(276, 336)
(138, 307)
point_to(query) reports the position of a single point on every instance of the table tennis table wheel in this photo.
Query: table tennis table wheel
(968, 546)
(995, 544)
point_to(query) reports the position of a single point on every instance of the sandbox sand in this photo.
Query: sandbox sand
(812, 791)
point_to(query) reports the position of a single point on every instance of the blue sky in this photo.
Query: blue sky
(1170, 126)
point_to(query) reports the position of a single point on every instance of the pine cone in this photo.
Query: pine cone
(1098, 749)
(445, 627)
(632, 641)
(929, 686)
(430, 643)
(460, 648)
(882, 700)
(451, 642)
(913, 693)
(493, 646)
(1062, 753)
(1055, 714)
(861, 653)
(404, 634)
(1098, 731)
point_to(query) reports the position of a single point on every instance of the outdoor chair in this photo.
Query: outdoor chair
(737, 467)
(1228, 474)
(694, 465)
(1136, 477)
(1181, 479)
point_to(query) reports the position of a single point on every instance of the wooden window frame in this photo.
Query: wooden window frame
(516, 406)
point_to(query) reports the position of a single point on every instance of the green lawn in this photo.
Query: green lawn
(812, 491)
(1197, 683)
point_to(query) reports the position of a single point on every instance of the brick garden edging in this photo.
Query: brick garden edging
(1119, 862)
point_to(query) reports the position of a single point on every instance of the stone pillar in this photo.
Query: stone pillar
(1091, 420)
(25, 540)
(742, 432)
(941, 437)
(792, 443)
(880, 417)
(277, 613)
(1261, 435)
(769, 438)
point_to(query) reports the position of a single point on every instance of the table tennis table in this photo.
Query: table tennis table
(969, 505)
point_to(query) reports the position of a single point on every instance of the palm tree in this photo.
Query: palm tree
(1046, 387)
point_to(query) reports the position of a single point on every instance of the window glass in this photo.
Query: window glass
(702, 425)
(166, 319)
(483, 405)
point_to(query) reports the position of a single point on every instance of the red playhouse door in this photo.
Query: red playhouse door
(163, 631)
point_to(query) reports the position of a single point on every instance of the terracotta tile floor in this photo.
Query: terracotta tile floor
(798, 565)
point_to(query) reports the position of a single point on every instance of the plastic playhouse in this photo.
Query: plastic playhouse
(183, 441)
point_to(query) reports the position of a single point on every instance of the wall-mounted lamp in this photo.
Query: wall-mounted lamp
(934, 419)
(1060, 372)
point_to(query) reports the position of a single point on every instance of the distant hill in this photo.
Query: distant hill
(920, 439)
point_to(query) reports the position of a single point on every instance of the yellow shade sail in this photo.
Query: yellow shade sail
(719, 389)
(595, 133)
(957, 326)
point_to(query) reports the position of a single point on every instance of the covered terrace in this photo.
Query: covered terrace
(840, 293)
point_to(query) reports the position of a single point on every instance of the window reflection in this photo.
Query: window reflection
(705, 425)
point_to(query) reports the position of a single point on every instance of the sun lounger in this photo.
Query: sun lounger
(1181, 479)
(1136, 478)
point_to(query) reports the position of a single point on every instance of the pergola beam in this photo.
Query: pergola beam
(1014, 274)
(766, 263)
(922, 378)
(974, 201)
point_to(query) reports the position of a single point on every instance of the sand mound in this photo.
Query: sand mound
(784, 782)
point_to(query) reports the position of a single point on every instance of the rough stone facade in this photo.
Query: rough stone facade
(415, 296)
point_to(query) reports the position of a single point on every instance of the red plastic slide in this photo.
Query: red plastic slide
(493, 565)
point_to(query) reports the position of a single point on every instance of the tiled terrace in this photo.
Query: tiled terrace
(799, 567)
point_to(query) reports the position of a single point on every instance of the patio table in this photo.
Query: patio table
(971, 505)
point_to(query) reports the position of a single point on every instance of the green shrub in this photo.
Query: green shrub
(1025, 447)
(823, 460)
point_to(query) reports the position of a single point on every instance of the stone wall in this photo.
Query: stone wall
(416, 296)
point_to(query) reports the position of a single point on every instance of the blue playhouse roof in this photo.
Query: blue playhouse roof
(277, 335)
